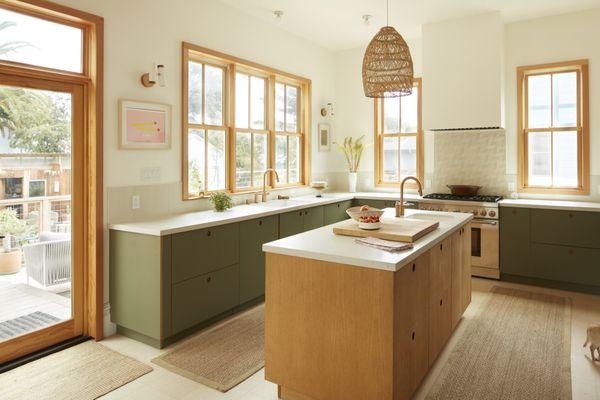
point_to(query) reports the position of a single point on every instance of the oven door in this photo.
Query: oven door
(485, 242)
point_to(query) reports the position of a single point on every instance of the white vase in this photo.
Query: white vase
(352, 176)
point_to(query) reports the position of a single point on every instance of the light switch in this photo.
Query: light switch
(135, 202)
(512, 187)
(150, 174)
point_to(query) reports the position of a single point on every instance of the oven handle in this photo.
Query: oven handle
(484, 222)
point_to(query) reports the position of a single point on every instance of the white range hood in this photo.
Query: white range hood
(463, 74)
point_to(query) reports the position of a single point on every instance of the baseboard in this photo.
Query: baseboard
(109, 327)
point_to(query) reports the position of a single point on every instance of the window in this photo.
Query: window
(240, 119)
(553, 132)
(206, 129)
(398, 137)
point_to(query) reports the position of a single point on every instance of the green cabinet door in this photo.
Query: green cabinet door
(568, 228)
(369, 202)
(198, 299)
(291, 223)
(253, 234)
(514, 241)
(336, 212)
(566, 264)
(313, 218)
(199, 252)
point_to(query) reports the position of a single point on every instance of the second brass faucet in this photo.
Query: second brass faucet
(400, 204)
(264, 187)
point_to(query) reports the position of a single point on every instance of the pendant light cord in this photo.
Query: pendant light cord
(387, 12)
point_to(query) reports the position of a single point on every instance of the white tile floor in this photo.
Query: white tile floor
(162, 384)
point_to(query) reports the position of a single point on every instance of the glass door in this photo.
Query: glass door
(41, 214)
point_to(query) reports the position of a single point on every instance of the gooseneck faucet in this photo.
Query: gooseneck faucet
(400, 204)
(264, 188)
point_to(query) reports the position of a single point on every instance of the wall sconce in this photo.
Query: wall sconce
(157, 75)
(327, 109)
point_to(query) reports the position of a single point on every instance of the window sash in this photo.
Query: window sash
(525, 171)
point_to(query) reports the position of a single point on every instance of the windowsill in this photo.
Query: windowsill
(554, 191)
(249, 192)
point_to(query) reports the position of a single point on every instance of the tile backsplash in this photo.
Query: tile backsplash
(470, 158)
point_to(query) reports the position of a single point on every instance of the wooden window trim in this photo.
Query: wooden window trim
(378, 142)
(90, 85)
(580, 66)
(191, 52)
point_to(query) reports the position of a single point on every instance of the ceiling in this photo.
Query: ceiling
(337, 24)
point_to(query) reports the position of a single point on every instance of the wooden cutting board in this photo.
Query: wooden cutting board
(399, 230)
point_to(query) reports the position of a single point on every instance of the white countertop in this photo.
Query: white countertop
(551, 204)
(322, 244)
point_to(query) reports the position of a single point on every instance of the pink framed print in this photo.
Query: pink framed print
(144, 125)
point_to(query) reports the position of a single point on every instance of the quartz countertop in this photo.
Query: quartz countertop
(322, 244)
(551, 204)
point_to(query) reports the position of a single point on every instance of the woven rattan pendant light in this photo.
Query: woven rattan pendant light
(387, 69)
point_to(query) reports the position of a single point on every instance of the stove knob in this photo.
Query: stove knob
(483, 213)
(492, 213)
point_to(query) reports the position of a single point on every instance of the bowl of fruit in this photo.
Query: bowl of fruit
(367, 217)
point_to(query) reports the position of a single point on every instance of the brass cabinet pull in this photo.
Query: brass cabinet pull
(208, 279)
(208, 233)
(259, 223)
(300, 213)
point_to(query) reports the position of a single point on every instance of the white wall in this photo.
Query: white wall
(139, 33)
(552, 39)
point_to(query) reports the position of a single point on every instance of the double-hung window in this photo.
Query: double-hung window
(398, 137)
(553, 128)
(288, 136)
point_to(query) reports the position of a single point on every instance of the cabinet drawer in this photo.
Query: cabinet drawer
(291, 223)
(336, 212)
(571, 228)
(199, 252)
(203, 297)
(567, 264)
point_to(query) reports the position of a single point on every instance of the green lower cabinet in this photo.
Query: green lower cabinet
(514, 241)
(567, 228)
(203, 297)
(566, 264)
(253, 234)
(313, 218)
(336, 212)
(291, 223)
(381, 204)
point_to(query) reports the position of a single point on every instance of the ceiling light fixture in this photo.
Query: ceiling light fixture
(387, 69)
(278, 15)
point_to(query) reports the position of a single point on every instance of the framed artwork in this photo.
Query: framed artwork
(144, 125)
(324, 137)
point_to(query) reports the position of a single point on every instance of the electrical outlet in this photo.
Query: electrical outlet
(135, 202)
(150, 174)
(512, 186)
(427, 183)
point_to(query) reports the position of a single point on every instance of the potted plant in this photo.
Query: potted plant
(221, 200)
(352, 150)
(11, 228)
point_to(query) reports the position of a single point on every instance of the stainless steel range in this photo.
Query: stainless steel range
(485, 259)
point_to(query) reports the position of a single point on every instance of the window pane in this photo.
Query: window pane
(565, 159)
(257, 93)
(565, 99)
(390, 159)
(540, 168)
(242, 159)
(195, 92)
(281, 157)
(391, 115)
(410, 112)
(294, 159)
(260, 157)
(279, 107)
(539, 101)
(408, 156)
(196, 163)
(216, 160)
(291, 110)
(36, 41)
(241, 100)
(213, 79)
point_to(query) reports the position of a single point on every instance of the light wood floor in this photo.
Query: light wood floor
(162, 384)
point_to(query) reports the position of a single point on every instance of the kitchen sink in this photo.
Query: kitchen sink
(281, 203)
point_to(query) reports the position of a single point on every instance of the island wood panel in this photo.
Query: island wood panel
(411, 326)
(314, 344)
(440, 303)
(461, 273)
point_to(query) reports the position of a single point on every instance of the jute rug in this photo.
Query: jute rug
(517, 347)
(86, 371)
(223, 356)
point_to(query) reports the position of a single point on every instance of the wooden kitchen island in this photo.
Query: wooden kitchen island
(346, 321)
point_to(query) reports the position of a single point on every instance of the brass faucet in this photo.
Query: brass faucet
(264, 188)
(400, 204)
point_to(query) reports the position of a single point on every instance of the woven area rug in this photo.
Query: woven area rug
(223, 356)
(83, 372)
(26, 323)
(518, 346)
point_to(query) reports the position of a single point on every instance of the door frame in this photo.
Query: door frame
(89, 84)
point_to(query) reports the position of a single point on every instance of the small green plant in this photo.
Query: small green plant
(221, 200)
(352, 150)
(12, 225)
